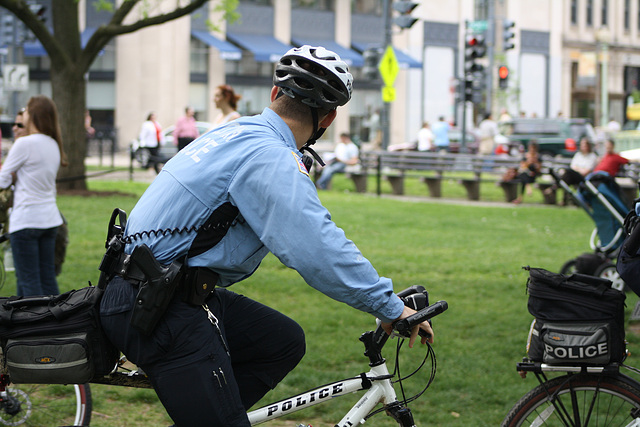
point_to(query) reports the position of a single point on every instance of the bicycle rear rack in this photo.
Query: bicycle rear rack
(538, 367)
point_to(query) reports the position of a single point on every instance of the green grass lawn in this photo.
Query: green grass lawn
(467, 254)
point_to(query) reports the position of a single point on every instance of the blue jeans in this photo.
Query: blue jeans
(34, 260)
(327, 173)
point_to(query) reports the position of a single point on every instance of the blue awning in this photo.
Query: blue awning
(36, 49)
(404, 59)
(264, 48)
(226, 49)
(33, 49)
(350, 56)
(86, 35)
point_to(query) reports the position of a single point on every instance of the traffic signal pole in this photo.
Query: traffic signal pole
(491, 42)
(386, 106)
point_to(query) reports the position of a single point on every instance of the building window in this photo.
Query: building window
(574, 12)
(106, 59)
(481, 10)
(313, 4)
(627, 14)
(605, 10)
(199, 57)
(366, 7)
(589, 13)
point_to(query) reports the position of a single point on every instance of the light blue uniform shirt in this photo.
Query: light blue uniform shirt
(253, 164)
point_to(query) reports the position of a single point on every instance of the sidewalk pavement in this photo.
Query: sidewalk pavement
(112, 168)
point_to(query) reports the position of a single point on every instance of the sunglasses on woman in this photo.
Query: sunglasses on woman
(20, 125)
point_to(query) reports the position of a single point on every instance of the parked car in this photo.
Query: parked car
(455, 138)
(555, 137)
(167, 150)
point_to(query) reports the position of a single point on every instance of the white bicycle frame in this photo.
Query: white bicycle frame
(380, 390)
(377, 381)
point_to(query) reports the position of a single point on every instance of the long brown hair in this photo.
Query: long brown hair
(230, 95)
(44, 116)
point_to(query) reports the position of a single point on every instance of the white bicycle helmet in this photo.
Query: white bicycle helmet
(315, 75)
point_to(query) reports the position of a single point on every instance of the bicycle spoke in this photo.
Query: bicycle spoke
(577, 402)
(542, 417)
(39, 405)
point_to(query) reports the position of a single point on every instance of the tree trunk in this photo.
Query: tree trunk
(69, 94)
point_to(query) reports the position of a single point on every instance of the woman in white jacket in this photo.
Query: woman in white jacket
(32, 165)
(151, 138)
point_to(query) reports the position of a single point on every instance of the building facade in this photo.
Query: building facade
(578, 58)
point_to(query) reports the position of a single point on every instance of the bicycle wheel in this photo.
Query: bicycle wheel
(608, 271)
(46, 405)
(569, 267)
(580, 400)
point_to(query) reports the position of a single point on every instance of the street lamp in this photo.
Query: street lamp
(603, 38)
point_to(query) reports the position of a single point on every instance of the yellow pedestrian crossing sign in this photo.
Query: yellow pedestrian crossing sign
(388, 94)
(389, 66)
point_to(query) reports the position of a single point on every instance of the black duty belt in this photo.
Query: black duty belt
(196, 283)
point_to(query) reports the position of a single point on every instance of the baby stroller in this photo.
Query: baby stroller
(600, 197)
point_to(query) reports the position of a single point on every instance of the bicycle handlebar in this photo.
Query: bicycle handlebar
(404, 326)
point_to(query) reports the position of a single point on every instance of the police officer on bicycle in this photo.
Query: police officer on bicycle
(209, 218)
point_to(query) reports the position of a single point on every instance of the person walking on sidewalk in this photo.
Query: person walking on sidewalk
(185, 130)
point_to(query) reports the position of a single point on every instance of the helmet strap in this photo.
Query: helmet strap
(317, 133)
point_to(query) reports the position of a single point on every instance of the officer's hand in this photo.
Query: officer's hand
(425, 326)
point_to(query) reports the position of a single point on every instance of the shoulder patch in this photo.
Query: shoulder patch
(301, 166)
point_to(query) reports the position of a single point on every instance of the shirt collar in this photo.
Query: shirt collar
(280, 127)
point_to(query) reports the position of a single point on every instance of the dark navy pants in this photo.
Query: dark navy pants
(186, 358)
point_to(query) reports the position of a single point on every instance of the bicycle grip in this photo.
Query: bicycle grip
(415, 289)
(404, 326)
(632, 242)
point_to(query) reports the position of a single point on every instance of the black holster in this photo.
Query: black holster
(155, 293)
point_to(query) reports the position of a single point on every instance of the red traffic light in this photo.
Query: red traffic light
(503, 72)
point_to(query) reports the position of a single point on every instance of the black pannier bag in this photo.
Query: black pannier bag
(55, 339)
(579, 319)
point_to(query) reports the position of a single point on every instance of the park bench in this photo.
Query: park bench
(468, 169)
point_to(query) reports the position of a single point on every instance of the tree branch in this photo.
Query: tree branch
(114, 28)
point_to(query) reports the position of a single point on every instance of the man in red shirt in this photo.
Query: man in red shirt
(611, 161)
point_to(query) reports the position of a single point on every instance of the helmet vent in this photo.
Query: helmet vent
(303, 83)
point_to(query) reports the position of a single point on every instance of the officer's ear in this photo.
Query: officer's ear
(328, 119)
(274, 93)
